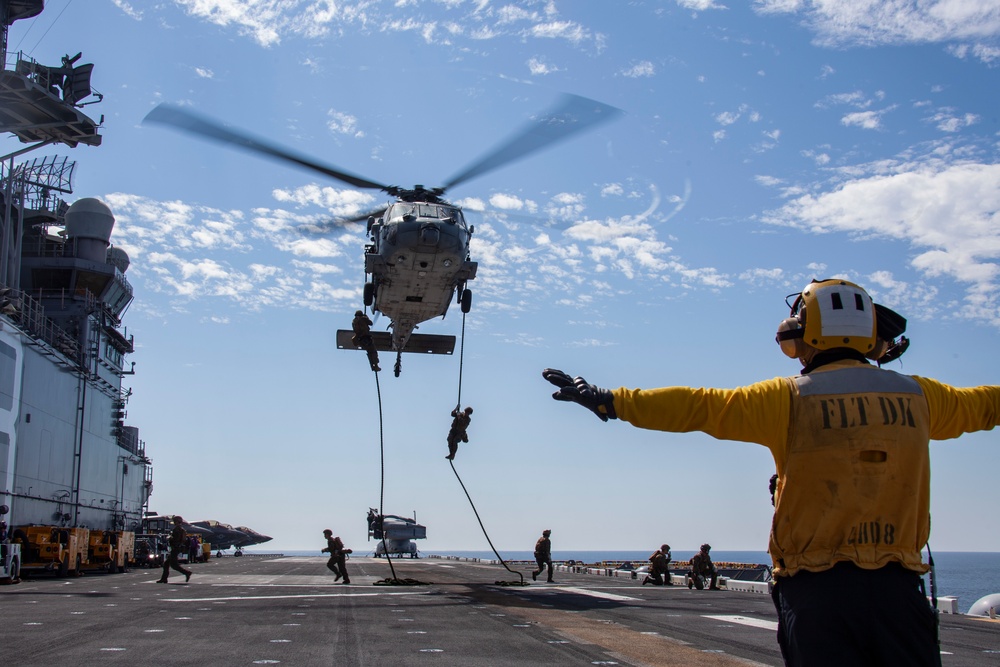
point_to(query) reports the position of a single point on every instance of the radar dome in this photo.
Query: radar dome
(90, 218)
(90, 222)
(118, 258)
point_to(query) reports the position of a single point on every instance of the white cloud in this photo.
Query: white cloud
(869, 120)
(762, 276)
(699, 5)
(947, 120)
(204, 72)
(857, 99)
(268, 21)
(768, 181)
(819, 157)
(344, 123)
(866, 22)
(513, 14)
(537, 66)
(193, 252)
(344, 202)
(565, 206)
(506, 202)
(948, 213)
(568, 30)
(471, 204)
(642, 68)
(727, 117)
(128, 9)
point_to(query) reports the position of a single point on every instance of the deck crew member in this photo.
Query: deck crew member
(338, 556)
(458, 431)
(362, 327)
(702, 567)
(850, 444)
(178, 543)
(543, 555)
(659, 567)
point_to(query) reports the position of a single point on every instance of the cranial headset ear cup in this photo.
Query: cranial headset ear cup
(881, 347)
(789, 337)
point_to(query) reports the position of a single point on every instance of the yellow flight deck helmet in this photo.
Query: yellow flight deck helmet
(829, 314)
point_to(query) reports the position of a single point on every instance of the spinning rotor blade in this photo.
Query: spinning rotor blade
(326, 226)
(166, 114)
(571, 115)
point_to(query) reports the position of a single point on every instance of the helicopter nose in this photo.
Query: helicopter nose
(430, 235)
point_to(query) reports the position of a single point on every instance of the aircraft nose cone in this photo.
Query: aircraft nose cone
(430, 235)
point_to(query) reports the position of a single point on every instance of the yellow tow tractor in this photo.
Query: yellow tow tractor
(111, 550)
(53, 549)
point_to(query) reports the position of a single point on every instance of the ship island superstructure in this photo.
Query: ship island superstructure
(75, 479)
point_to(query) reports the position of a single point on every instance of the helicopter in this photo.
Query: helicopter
(417, 258)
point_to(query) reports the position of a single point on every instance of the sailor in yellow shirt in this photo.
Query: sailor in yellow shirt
(850, 447)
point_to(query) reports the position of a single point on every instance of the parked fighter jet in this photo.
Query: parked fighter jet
(253, 537)
(225, 536)
(221, 536)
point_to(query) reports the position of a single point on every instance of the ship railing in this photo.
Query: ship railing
(91, 303)
(29, 314)
(43, 246)
(60, 82)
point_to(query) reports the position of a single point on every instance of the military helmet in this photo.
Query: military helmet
(359, 313)
(706, 547)
(829, 314)
(328, 532)
(546, 532)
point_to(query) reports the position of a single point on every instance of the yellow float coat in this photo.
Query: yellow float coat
(850, 446)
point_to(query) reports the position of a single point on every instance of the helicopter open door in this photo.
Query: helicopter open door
(420, 343)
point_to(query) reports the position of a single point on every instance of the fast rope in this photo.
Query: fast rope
(461, 361)
(393, 580)
(500, 558)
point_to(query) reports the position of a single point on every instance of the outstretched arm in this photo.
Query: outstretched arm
(577, 390)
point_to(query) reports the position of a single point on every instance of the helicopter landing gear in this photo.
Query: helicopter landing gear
(399, 364)
(466, 300)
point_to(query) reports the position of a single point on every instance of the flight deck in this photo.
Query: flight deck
(271, 610)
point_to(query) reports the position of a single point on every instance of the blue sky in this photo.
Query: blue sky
(763, 144)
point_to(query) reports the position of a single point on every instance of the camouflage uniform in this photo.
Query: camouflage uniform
(361, 325)
(458, 432)
(543, 555)
(178, 540)
(659, 564)
(702, 566)
(338, 556)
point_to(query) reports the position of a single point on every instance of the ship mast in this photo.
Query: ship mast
(40, 105)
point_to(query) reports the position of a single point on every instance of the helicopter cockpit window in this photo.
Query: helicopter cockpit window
(452, 215)
(431, 211)
(449, 214)
(399, 212)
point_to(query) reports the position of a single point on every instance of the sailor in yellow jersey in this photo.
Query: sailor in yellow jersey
(850, 447)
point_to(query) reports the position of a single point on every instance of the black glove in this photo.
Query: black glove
(600, 401)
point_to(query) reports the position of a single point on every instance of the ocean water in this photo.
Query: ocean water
(966, 575)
